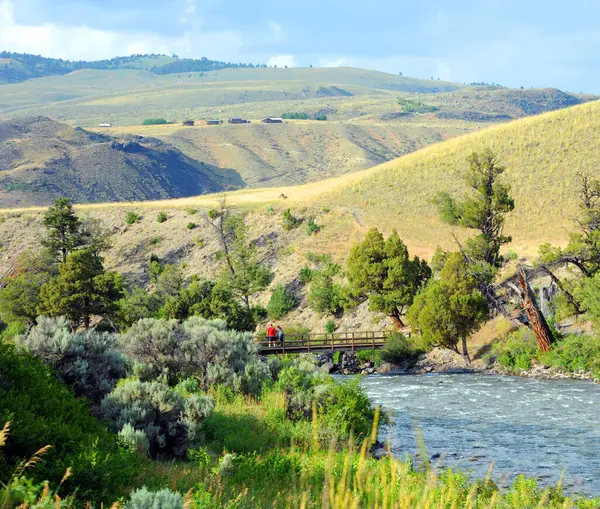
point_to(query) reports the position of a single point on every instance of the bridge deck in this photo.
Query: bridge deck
(336, 341)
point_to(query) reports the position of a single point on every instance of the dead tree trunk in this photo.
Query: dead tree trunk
(538, 323)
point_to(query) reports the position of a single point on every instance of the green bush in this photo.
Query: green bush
(511, 255)
(170, 421)
(132, 218)
(400, 350)
(191, 212)
(312, 227)
(282, 301)
(290, 222)
(575, 352)
(197, 347)
(89, 362)
(191, 225)
(518, 351)
(330, 327)
(154, 121)
(163, 499)
(42, 411)
(298, 115)
(369, 356)
(162, 217)
(306, 275)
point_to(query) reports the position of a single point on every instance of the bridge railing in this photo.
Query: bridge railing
(323, 341)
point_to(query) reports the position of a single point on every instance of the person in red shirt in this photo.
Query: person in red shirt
(271, 334)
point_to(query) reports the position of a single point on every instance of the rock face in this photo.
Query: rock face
(349, 363)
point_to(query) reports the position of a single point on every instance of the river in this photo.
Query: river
(525, 426)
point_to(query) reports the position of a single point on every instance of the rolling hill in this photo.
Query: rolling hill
(542, 154)
(41, 159)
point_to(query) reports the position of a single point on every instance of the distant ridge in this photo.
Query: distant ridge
(18, 67)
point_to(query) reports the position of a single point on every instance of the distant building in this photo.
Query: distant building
(104, 125)
(189, 123)
(238, 120)
(272, 120)
(214, 121)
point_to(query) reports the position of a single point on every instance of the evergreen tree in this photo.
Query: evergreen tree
(64, 229)
(20, 293)
(382, 271)
(451, 307)
(484, 210)
(81, 290)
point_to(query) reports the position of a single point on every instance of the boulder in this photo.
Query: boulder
(328, 367)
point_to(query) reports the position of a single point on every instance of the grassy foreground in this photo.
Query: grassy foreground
(247, 464)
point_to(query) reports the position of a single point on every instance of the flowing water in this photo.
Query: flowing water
(532, 427)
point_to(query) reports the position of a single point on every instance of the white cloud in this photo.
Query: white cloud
(188, 11)
(282, 61)
(83, 42)
(276, 30)
(336, 62)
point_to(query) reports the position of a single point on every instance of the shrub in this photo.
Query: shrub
(324, 295)
(297, 115)
(170, 421)
(191, 226)
(162, 217)
(89, 362)
(575, 352)
(163, 499)
(320, 116)
(197, 347)
(154, 121)
(42, 412)
(330, 327)
(399, 350)
(290, 222)
(132, 218)
(306, 275)
(281, 302)
(518, 351)
(312, 227)
(191, 212)
(511, 255)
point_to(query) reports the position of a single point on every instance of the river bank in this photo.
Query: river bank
(440, 360)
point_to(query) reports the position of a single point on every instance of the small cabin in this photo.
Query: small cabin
(272, 120)
(189, 123)
(214, 121)
(238, 120)
(104, 125)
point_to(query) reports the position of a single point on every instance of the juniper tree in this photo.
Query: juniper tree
(382, 272)
(451, 307)
(64, 229)
(484, 209)
(81, 290)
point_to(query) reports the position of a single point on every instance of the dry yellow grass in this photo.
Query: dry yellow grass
(542, 154)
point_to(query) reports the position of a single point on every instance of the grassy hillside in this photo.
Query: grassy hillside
(542, 155)
(297, 151)
(41, 159)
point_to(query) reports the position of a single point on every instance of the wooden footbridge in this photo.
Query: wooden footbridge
(321, 342)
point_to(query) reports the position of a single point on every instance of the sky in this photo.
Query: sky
(541, 43)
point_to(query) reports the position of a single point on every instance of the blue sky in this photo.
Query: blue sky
(515, 43)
